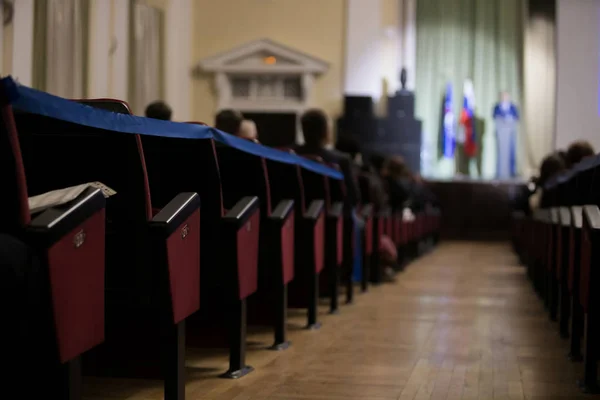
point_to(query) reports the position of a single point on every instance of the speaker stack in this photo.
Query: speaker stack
(399, 133)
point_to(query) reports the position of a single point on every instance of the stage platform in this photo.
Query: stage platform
(475, 209)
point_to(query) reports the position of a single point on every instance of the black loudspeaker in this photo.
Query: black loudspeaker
(399, 133)
(358, 107)
(401, 105)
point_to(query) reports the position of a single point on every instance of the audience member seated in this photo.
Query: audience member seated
(229, 121)
(248, 130)
(159, 110)
(349, 146)
(577, 151)
(379, 164)
(399, 185)
(316, 126)
(552, 165)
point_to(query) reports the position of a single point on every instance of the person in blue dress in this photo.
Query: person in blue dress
(506, 118)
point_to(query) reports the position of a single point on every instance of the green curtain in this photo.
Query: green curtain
(481, 40)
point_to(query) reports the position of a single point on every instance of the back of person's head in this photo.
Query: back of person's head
(315, 127)
(551, 166)
(397, 168)
(562, 154)
(577, 151)
(229, 121)
(248, 130)
(159, 110)
(349, 145)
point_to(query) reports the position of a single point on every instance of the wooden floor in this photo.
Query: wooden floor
(460, 323)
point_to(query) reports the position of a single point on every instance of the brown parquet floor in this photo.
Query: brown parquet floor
(460, 323)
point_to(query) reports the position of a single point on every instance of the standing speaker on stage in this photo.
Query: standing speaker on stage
(506, 118)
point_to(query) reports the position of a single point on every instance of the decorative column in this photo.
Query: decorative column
(363, 48)
(119, 73)
(407, 30)
(99, 49)
(223, 91)
(178, 64)
(22, 56)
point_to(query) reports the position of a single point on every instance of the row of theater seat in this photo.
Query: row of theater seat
(224, 238)
(560, 245)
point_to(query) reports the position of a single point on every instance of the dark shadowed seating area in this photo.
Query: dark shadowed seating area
(558, 243)
(156, 240)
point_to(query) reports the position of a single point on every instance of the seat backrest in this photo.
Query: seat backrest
(58, 154)
(337, 187)
(286, 183)
(243, 174)
(316, 186)
(183, 165)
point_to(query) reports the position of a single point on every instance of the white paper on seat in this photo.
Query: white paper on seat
(62, 196)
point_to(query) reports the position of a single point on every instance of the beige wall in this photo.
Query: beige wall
(218, 26)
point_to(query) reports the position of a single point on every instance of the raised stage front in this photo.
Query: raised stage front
(475, 210)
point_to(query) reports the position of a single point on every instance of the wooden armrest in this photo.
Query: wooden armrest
(282, 211)
(314, 210)
(337, 210)
(565, 216)
(242, 211)
(52, 224)
(591, 213)
(554, 216)
(577, 216)
(170, 217)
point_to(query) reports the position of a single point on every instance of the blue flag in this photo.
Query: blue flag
(449, 137)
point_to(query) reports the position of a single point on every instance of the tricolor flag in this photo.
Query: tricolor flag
(467, 119)
(449, 138)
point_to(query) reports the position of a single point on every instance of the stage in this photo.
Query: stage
(475, 209)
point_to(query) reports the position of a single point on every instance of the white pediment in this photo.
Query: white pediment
(263, 56)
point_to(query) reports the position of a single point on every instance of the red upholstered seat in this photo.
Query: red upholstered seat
(65, 245)
(374, 229)
(229, 237)
(152, 261)
(286, 182)
(244, 174)
(318, 187)
(338, 195)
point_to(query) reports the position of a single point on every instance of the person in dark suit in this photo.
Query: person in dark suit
(317, 130)
(399, 183)
(577, 151)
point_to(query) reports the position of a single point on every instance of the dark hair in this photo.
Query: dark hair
(397, 167)
(229, 121)
(314, 127)
(563, 156)
(159, 110)
(347, 144)
(577, 151)
(551, 166)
